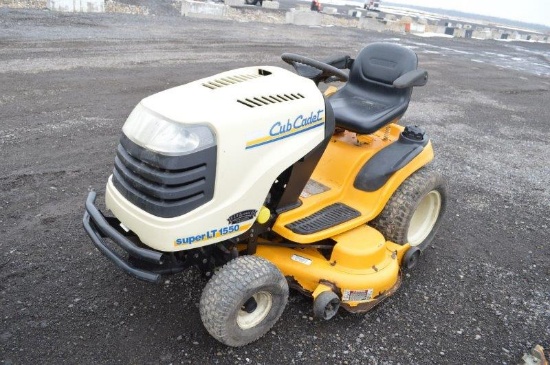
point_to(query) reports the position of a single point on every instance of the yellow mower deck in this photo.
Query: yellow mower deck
(363, 267)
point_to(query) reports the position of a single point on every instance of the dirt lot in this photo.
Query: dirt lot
(67, 83)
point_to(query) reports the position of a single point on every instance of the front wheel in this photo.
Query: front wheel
(243, 300)
(413, 213)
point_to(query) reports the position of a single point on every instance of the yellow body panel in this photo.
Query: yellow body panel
(330, 91)
(360, 249)
(361, 261)
(342, 160)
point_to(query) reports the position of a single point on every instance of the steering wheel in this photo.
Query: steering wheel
(313, 69)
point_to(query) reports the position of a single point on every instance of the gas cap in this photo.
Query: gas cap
(414, 133)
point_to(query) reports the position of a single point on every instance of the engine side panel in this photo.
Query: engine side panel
(264, 120)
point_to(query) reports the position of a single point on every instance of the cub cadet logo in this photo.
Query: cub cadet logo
(280, 130)
(211, 234)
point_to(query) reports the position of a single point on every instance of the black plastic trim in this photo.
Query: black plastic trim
(165, 192)
(165, 186)
(325, 218)
(162, 177)
(379, 168)
(97, 227)
(160, 207)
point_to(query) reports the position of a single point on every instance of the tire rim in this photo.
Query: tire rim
(264, 302)
(424, 218)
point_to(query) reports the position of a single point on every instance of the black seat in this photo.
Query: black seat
(379, 89)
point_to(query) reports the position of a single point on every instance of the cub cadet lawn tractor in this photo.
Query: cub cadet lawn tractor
(262, 182)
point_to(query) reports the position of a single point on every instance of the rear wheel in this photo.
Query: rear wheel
(243, 300)
(413, 214)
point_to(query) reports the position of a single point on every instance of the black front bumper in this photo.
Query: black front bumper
(98, 227)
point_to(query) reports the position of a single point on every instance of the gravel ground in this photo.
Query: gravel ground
(67, 82)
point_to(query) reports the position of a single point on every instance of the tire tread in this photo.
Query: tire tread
(394, 219)
(229, 285)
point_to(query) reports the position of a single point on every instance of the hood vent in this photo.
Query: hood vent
(271, 99)
(234, 79)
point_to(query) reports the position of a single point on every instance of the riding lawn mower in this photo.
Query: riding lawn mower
(263, 182)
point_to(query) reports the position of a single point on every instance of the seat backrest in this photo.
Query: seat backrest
(369, 101)
(382, 64)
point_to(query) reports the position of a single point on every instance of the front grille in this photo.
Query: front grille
(165, 186)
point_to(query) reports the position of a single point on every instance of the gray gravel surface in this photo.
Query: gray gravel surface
(67, 82)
